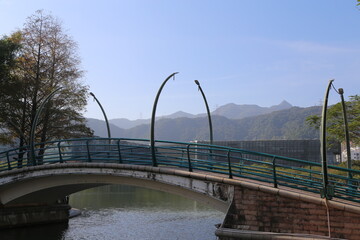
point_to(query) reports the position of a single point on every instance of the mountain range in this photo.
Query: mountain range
(230, 111)
(230, 122)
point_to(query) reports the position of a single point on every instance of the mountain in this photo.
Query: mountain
(179, 114)
(126, 123)
(282, 106)
(231, 111)
(234, 111)
(281, 125)
(100, 128)
(284, 124)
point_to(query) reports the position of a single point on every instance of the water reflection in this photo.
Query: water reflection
(121, 196)
(126, 212)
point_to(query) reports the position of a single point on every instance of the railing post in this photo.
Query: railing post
(60, 154)
(119, 151)
(88, 150)
(189, 160)
(182, 157)
(8, 160)
(229, 164)
(274, 172)
(20, 158)
(240, 163)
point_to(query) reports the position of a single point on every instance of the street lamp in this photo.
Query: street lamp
(347, 138)
(34, 124)
(326, 192)
(103, 111)
(208, 111)
(152, 127)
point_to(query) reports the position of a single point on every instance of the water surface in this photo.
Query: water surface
(126, 212)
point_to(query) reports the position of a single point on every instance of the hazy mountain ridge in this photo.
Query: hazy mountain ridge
(231, 111)
(284, 124)
(234, 111)
(126, 123)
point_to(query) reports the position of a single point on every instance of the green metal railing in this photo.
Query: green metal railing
(232, 162)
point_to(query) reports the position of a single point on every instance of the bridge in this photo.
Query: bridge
(260, 193)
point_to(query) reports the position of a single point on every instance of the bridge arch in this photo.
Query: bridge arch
(47, 183)
(265, 192)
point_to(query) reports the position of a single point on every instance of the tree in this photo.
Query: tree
(46, 61)
(335, 122)
(9, 47)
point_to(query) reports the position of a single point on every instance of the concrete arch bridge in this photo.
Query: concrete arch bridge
(260, 193)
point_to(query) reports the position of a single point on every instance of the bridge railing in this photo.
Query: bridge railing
(232, 162)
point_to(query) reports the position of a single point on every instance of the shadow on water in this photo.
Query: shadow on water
(39, 232)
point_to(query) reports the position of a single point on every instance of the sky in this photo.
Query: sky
(241, 51)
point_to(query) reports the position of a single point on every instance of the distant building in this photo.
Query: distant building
(355, 153)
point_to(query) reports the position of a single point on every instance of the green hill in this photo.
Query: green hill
(288, 124)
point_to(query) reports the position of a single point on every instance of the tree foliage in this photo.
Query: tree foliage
(37, 60)
(9, 48)
(335, 121)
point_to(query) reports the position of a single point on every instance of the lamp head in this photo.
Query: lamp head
(92, 94)
(197, 82)
(341, 91)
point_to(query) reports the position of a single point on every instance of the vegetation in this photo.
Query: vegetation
(9, 46)
(33, 63)
(335, 121)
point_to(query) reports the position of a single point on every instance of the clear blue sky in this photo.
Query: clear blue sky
(242, 51)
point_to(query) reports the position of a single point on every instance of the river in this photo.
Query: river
(127, 212)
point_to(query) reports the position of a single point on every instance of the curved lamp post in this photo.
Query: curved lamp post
(103, 111)
(208, 111)
(327, 190)
(347, 138)
(152, 126)
(34, 124)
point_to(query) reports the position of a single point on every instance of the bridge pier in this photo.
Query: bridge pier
(17, 216)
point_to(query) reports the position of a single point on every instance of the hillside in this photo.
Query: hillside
(283, 124)
(234, 111)
(231, 111)
(100, 129)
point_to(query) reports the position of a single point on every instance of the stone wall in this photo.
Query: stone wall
(286, 212)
